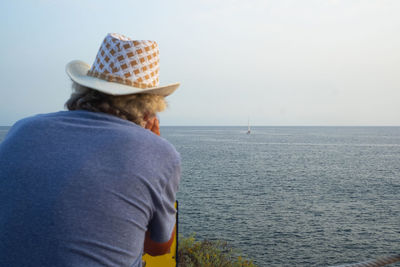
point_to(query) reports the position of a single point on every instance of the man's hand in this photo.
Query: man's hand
(157, 249)
(153, 125)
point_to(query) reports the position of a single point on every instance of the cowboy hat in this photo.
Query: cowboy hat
(122, 66)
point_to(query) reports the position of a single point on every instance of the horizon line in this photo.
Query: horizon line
(271, 125)
(204, 125)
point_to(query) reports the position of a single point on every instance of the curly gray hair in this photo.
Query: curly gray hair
(129, 107)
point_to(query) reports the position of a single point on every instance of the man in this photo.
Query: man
(95, 185)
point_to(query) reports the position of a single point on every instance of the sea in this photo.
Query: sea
(291, 196)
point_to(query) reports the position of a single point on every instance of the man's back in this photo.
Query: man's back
(79, 188)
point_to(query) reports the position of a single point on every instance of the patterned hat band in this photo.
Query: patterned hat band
(123, 60)
(118, 79)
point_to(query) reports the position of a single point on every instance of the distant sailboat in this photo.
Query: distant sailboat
(248, 126)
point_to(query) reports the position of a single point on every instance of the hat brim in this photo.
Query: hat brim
(77, 71)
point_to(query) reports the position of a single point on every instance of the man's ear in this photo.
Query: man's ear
(146, 116)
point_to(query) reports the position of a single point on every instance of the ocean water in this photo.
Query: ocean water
(291, 196)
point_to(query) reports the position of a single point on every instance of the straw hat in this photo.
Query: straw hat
(122, 66)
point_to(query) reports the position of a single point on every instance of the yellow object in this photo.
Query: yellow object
(167, 260)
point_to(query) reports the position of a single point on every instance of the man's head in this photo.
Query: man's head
(137, 108)
(123, 80)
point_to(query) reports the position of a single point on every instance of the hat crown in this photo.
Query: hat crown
(131, 62)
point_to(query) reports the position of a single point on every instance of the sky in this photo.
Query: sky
(273, 62)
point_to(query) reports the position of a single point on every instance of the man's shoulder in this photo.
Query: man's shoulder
(28, 122)
(109, 129)
(155, 146)
(78, 119)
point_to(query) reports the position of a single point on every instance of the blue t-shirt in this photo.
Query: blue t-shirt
(80, 188)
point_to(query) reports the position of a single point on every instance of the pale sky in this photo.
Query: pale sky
(277, 62)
